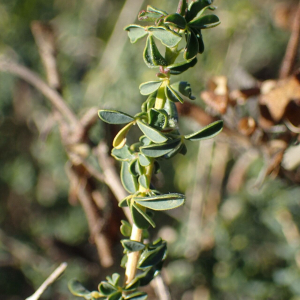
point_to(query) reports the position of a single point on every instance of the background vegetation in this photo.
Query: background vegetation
(229, 242)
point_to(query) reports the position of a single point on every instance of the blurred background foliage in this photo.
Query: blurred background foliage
(222, 245)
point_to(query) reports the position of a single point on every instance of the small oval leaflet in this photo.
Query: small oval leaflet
(176, 20)
(123, 154)
(135, 32)
(167, 37)
(181, 67)
(77, 289)
(106, 288)
(172, 94)
(161, 202)
(151, 133)
(144, 214)
(128, 180)
(152, 56)
(132, 246)
(196, 7)
(125, 228)
(192, 46)
(149, 87)
(158, 150)
(207, 132)
(114, 116)
(115, 296)
(138, 217)
(204, 22)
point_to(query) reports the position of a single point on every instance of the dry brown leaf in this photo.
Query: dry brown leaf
(277, 98)
(246, 126)
(217, 95)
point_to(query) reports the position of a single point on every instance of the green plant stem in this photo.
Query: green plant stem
(161, 97)
(136, 235)
(133, 257)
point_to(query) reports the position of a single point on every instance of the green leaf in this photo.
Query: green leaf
(192, 46)
(106, 288)
(138, 218)
(172, 94)
(151, 133)
(132, 246)
(200, 39)
(135, 168)
(144, 160)
(146, 277)
(149, 87)
(146, 215)
(114, 280)
(151, 100)
(77, 289)
(152, 56)
(207, 132)
(181, 67)
(135, 32)
(171, 110)
(156, 10)
(197, 7)
(124, 202)
(184, 88)
(133, 284)
(120, 139)
(124, 261)
(182, 7)
(128, 180)
(114, 116)
(144, 140)
(144, 181)
(153, 257)
(167, 37)
(148, 16)
(125, 228)
(137, 296)
(205, 22)
(158, 118)
(123, 154)
(115, 296)
(176, 20)
(158, 150)
(161, 202)
(174, 151)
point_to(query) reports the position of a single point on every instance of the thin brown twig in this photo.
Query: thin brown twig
(292, 48)
(111, 177)
(57, 272)
(52, 95)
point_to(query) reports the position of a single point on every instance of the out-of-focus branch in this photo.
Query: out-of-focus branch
(45, 39)
(110, 176)
(107, 68)
(53, 96)
(292, 48)
(57, 272)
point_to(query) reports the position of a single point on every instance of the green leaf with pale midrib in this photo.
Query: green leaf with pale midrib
(207, 132)
(204, 22)
(114, 116)
(151, 133)
(161, 202)
(158, 150)
(135, 32)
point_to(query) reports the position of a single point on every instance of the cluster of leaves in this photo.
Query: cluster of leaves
(160, 139)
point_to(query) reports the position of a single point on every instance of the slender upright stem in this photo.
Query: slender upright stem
(136, 235)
